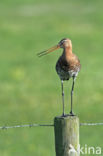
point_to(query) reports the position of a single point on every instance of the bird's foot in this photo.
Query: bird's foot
(63, 115)
(71, 113)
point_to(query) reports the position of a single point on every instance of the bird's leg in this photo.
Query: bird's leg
(62, 97)
(71, 112)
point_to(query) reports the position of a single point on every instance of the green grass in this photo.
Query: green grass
(30, 88)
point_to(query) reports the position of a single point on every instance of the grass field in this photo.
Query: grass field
(30, 90)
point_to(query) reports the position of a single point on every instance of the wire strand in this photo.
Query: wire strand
(91, 124)
(46, 125)
(29, 125)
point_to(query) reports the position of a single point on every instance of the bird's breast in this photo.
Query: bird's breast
(67, 68)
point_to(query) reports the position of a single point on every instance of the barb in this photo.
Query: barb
(91, 124)
(31, 125)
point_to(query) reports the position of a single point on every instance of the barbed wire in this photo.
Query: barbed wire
(45, 125)
(29, 125)
(91, 124)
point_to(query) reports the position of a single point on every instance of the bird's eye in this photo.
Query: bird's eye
(62, 42)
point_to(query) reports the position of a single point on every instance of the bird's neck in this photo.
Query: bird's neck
(67, 52)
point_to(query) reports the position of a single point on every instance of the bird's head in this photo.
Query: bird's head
(64, 43)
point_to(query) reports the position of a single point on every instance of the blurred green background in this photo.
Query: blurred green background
(30, 90)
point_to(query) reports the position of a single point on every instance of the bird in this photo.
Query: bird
(67, 66)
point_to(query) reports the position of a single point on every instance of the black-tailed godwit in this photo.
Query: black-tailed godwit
(67, 66)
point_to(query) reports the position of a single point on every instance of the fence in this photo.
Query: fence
(46, 125)
(66, 133)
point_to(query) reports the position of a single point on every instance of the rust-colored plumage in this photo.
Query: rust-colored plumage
(67, 66)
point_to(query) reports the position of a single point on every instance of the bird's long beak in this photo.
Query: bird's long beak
(48, 51)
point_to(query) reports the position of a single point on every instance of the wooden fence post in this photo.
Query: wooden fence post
(66, 136)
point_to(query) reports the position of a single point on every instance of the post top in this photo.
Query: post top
(66, 117)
